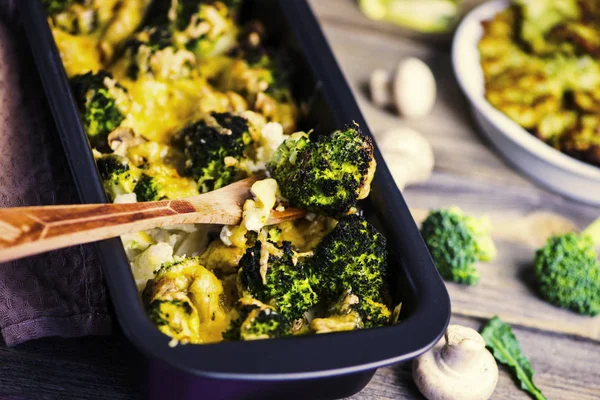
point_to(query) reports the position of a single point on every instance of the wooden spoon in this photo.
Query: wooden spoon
(25, 231)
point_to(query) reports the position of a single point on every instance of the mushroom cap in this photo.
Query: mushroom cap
(458, 367)
(408, 155)
(414, 88)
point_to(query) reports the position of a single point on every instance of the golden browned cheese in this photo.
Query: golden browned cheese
(541, 68)
(221, 257)
(90, 51)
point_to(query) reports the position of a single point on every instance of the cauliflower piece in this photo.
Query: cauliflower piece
(148, 261)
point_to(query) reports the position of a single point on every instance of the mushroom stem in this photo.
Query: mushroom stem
(381, 88)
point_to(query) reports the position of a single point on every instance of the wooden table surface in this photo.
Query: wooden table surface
(563, 348)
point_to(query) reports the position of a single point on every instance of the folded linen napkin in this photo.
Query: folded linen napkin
(61, 293)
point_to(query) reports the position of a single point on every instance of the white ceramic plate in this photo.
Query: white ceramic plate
(535, 159)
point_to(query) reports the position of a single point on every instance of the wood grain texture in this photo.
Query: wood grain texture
(468, 174)
(27, 231)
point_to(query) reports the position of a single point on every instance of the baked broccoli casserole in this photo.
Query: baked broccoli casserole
(178, 98)
(540, 62)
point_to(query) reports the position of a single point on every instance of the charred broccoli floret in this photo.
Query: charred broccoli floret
(103, 105)
(117, 175)
(456, 242)
(256, 321)
(279, 279)
(327, 174)
(352, 256)
(175, 316)
(213, 148)
(567, 271)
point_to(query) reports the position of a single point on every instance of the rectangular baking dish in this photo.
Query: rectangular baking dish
(318, 366)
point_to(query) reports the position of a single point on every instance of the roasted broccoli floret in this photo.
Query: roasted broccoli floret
(327, 174)
(352, 256)
(256, 321)
(103, 105)
(213, 148)
(278, 279)
(117, 175)
(567, 271)
(175, 316)
(152, 52)
(456, 242)
(350, 312)
(207, 28)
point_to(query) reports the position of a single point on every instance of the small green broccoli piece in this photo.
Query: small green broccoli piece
(117, 175)
(206, 28)
(326, 175)
(56, 6)
(143, 46)
(353, 256)
(102, 103)
(175, 316)
(111, 166)
(147, 189)
(349, 312)
(206, 145)
(567, 271)
(82, 19)
(286, 286)
(373, 313)
(456, 242)
(256, 321)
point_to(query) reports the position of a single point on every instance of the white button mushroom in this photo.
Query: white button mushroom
(459, 367)
(408, 155)
(411, 89)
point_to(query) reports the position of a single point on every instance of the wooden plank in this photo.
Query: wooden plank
(105, 368)
(565, 369)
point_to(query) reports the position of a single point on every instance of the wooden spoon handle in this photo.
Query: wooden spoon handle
(30, 230)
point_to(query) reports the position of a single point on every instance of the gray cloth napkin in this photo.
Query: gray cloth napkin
(61, 293)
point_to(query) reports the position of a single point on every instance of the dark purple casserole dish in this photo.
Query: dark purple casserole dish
(316, 366)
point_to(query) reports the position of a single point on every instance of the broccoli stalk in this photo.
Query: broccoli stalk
(567, 270)
(327, 174)
(456, 242)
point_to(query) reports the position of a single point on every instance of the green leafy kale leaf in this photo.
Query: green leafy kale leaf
(502, 342)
